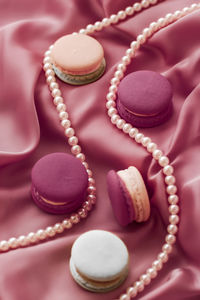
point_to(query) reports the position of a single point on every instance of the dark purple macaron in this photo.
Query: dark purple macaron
(59, 183)
(145, 99)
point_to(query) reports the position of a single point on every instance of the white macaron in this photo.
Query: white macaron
(99, 261)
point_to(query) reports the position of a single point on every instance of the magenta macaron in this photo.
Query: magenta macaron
(128, 196)
(59, 183)
(145, 99)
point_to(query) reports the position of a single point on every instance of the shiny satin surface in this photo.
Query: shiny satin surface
(29, 129)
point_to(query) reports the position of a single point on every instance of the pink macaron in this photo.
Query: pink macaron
(78, 59)
(145, 99)
(59, 183)
(128, 196)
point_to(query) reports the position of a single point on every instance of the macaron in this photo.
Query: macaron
(99, 261)
(59, 183)
(128, 196)
(78, 59)
(145, 99)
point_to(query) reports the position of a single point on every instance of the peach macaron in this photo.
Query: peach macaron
(78, 59)
(128, 196)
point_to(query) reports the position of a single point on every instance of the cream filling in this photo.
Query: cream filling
(140, 115)
(51, 202)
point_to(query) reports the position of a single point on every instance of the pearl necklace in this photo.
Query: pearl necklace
(132, 132)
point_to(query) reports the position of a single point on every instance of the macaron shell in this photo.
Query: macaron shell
(60, 177)
(77, 54)
(120, 199)
(145, 92)
(137, 190)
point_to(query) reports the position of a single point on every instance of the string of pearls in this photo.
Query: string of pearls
(128, 129)
(151, 147)
(49, 232)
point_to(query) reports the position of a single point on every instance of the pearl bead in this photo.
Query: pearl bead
(174, 209)
(67, 224)
(51, 47)
(112, 111)
(56, 92)
(126, 128)
(85, 164)
(50, 72)
(173, 199)
(91, 198)
(91, 181)
(50, 79)
(129, 10)
(120, 123)
(124, 297)
(167, 248)
(47, 59)
(75, 218)
(50, 231)
(151, 147)
(163, 161)
(139, 137)
(163, 257)
(81, 157)
(170, 239)
(132, 291)
(145, 141)
(87, 205)
(89, 172)
(63, 115)
(76, 149)
(130, 52)
(134, 45)
(22, 240)
(161, 22)
(69, 132)
(133, 132)
(82, 31)
(41, 234)
(47, 66)
(65, 122)
(172, 229)
(110, 104)
(174, 219)
(106, 22)
(13, 243)
(121, 15)
(98, 26)
(115, 118)
(137, 6)
(57, 100)
(153, 26)
(119, 74)
(47, 53)
(120, 67)
(91, 190)
(168, 170)
(152, 272)
(114, 81)
(139, 285)
(141, 39)
(114, 19)
(145, 278)
(111, 96)
(170, 179)
(153, 1)
(4, 246)
(72, 141)
(171, 189)
(126, 59)
(82, 213)
(157, 154)
(178, 14)
(169, 17)
(157, 264)
(90, 28)
(145, 3)
(32, 237)
(58, 227)
(61, 107)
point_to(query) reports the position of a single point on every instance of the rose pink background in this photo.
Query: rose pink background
(29, 129)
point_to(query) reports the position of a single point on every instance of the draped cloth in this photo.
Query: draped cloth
(30, 129)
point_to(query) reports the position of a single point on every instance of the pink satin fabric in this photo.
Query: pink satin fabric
(29, 129)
